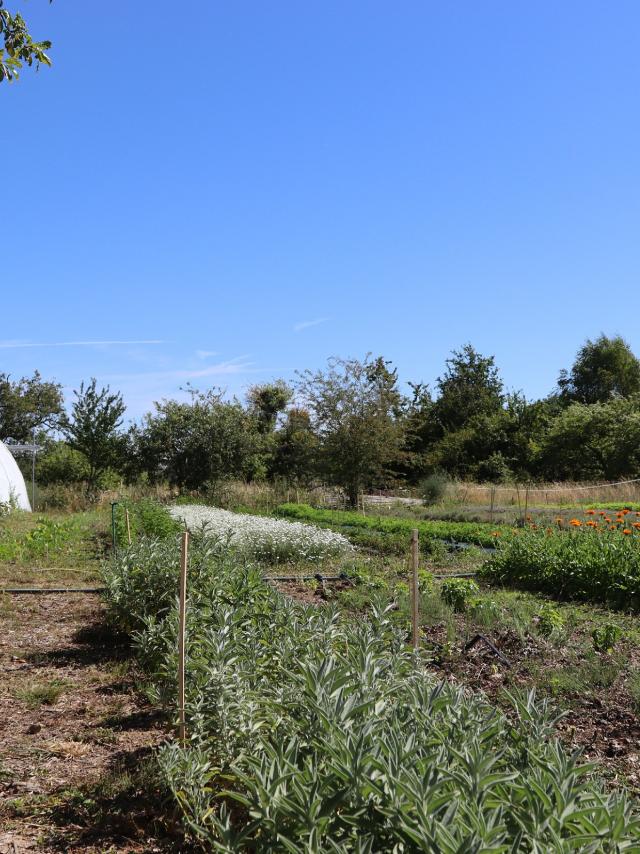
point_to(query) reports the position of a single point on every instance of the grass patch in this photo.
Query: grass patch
(37, 694)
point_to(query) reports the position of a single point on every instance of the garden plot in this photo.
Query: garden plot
(261, 537)
(307, 732)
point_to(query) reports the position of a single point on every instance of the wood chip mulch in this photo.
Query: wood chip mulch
(75, 734)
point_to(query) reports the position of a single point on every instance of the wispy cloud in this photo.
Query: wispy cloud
(13, 345)
(305, 324)
(205, 354)
(238, 365)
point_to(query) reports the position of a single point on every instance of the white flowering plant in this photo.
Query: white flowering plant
(263, 538)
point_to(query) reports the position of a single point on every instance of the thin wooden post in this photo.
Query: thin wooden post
(126, 515)
(182, 732)
(493, 495)
(415, 591)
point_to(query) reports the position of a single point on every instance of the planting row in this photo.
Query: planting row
(346, 521)
(261, 537)
(602, 566)
(312, 732)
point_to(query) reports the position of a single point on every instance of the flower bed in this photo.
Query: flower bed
(601, 565)
(262, 537)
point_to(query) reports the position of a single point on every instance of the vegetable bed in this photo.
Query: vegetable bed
(478, 533)
(311, 732)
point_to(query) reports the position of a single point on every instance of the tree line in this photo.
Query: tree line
(349, 425)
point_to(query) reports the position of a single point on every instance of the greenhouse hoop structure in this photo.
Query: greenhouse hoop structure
(13, 490)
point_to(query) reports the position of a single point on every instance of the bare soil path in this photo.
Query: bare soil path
(76, 737)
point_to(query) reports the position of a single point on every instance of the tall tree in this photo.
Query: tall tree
(17, 45)
(603, 369)
(93, 426)
(356, 411)
(470, 386)
(267, 401)
(28, 404)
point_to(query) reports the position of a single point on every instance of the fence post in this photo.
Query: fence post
(415, 591)
(182, 733)
(126, 514)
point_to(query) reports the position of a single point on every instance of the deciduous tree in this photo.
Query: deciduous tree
(93, 426)
(27, 404)
(603, 369)
(18, 47)
(356, 411)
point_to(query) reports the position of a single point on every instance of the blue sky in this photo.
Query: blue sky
(237, 190)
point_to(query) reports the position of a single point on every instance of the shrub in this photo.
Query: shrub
(606, 636)
(434, 488)
(495, 469)
(457, 592)
(62, 464)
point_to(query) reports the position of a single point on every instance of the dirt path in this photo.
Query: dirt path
(75, 736)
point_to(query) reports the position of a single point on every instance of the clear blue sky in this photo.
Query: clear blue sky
(259, 186)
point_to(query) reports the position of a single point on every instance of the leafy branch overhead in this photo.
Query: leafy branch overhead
(17, 46)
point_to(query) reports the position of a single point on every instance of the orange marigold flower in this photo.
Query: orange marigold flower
(590, 512)
(601, 513)
(625, 511)
(626, 531)
(592, 524)
(576, 523)
(635, 524)
(612, 527)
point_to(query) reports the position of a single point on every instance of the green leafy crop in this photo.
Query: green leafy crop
(458, 592)
(311, 733)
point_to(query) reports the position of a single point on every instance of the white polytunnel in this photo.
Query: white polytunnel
(13, 490)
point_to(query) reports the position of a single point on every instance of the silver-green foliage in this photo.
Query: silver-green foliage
(310, 733)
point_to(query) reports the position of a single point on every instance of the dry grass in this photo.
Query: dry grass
(542, 493)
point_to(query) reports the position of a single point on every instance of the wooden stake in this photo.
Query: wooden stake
(126, 515)
(415, 591)
(182, 733)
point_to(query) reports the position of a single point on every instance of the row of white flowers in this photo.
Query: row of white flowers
(262, 537)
